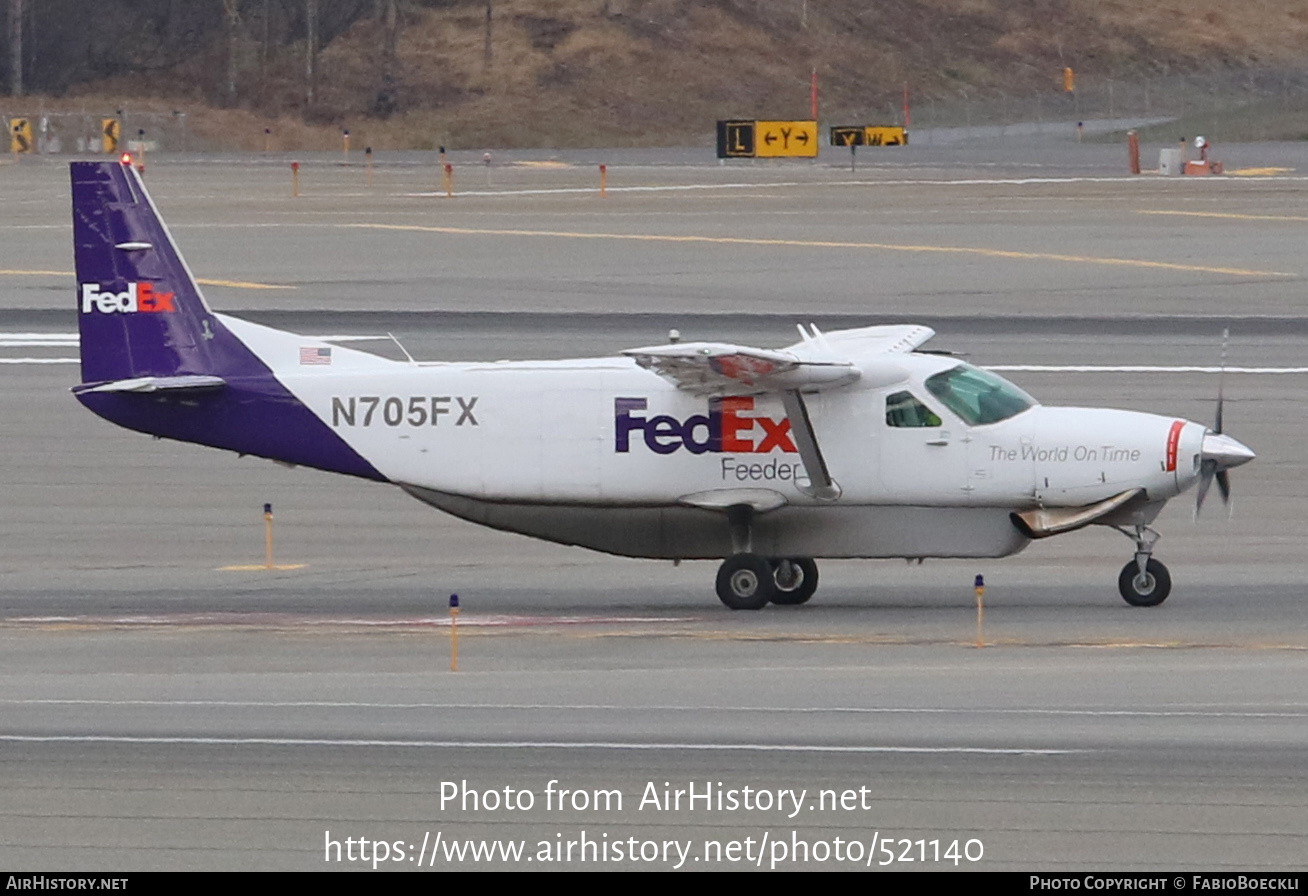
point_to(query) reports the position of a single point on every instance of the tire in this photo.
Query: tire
(799, 586)
(1148, 590)
(745, 582)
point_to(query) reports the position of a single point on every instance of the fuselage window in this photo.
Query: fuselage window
(902, 409)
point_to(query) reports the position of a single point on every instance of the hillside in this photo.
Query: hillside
(409, 74)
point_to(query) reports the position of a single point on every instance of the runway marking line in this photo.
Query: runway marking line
(257, 566)
(590, 627)
(619, 708)
(1135, 368)
(203, 281)
(294, 621)
(826, 244)
(522, 744)
(1230, 215)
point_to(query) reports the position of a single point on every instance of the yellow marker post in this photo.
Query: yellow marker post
(454, 633)
(604, 180)
(345, 139)
(295, 179)
(367, 154)
(980, 610)
(267, 140)
(267, 536)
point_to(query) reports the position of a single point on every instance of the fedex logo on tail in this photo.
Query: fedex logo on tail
(728, 426)
(137, 297)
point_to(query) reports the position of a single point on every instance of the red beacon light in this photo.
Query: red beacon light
(126, 159)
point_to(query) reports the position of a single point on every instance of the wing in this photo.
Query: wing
(718, 368)
(820, 361)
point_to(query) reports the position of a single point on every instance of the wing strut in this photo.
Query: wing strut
(820, 484)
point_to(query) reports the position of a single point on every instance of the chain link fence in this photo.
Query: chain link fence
(1231, 106)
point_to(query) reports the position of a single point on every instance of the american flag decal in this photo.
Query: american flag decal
(315, 356)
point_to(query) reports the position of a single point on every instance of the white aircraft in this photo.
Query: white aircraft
(847, 444)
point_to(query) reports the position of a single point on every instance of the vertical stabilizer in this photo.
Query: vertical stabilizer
(140, 312)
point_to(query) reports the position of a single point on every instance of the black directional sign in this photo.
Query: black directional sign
(868, 135)
(847, 136)
(736, 139)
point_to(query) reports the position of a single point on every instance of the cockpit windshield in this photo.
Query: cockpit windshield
(978, 396)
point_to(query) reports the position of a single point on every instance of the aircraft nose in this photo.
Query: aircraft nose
(1225, 452)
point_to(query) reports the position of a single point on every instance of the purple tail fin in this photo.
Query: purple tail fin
(140, 312)
(156, 359)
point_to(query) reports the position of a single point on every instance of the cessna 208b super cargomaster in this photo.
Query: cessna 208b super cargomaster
(846, 444)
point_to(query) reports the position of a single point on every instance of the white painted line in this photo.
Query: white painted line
(516, 744)
(1135, 368)
(64, 336)
(604, 707)
(40, 360)
(287, 620)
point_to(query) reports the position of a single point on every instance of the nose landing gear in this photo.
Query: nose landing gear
(1144, 581)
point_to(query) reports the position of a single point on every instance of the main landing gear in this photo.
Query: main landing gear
(1144, 582)
(750, 582)
(747, 581)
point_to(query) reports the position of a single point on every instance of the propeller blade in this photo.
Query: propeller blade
(1224, 486)
(1205, 480)
(1221, 379)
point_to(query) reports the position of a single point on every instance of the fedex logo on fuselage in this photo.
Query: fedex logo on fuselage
(137, 297)
(728, 426)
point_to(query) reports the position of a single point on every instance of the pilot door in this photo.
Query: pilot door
(924, 453)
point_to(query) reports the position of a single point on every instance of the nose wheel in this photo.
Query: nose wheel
(1144, 581)
(1147, 588)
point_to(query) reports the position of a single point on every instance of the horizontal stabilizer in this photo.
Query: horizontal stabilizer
(185, 383)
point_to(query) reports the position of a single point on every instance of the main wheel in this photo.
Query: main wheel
(795, 580)
(745, 582)
(1144, 590)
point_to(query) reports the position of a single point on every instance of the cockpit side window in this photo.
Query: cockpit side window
(902, 409)
(978, 396)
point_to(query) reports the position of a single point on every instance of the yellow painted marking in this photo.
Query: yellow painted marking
(835, 244)
(887, 640)
(1259, 172)
(1232, 215)
(234, 284)
(258, 566)
(547, 164)
(242, 284)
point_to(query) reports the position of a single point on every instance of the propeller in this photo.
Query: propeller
(1219, 452)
